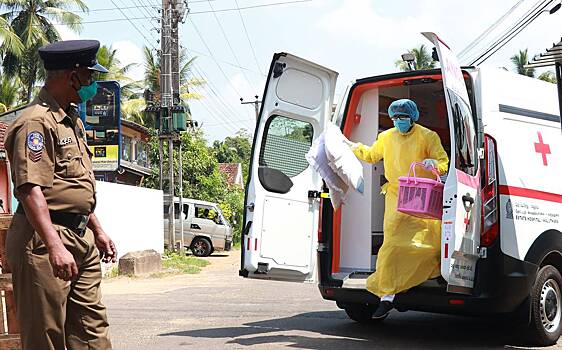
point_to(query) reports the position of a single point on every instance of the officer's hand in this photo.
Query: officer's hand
(106, 247)
(63, 263)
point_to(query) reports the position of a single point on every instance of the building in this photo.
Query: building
(233, 172)
(134, 164)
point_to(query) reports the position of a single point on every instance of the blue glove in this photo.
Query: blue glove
(351, 144)
(430, 164)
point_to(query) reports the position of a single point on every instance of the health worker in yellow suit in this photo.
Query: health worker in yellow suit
(410, 253)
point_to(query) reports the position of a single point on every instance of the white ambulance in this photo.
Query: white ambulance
(501, 250)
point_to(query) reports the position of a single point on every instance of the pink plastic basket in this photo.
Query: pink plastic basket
(420, 197)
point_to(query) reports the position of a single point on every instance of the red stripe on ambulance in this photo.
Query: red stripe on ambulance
(534, 194)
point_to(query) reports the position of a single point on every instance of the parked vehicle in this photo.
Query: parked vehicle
(502, 198)
(204, 227)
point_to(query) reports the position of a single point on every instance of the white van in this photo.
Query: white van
(205, 228)
(501, 250)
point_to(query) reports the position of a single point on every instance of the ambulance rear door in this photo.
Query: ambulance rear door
(280, 237)
(460, 236)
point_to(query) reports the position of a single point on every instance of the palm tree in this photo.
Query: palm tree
(422, 59)
(32, 20)
(548, 76)
(10, 41)
(9, 93)
(151, 76)
(520, 60)
(133, 109)
(107, 57)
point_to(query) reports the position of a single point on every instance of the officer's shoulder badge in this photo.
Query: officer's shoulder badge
(35, 143)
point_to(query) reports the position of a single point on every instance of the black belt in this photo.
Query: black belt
(73, 221)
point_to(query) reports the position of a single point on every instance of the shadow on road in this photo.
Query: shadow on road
(406, 330)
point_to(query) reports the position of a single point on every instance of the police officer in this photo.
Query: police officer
(55, 242)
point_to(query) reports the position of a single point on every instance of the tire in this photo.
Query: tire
(546, 307)
(201, 247)
(361, 313)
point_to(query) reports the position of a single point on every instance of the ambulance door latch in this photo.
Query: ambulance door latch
(482, 252)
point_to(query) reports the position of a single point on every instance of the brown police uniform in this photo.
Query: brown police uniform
(47, 147)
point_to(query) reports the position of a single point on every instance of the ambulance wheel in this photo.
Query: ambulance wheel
(546, 307)
(361, 313)
(201, 247)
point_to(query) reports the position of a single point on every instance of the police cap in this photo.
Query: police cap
(69, 54)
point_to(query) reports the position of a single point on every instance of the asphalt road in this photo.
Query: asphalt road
(219, 310)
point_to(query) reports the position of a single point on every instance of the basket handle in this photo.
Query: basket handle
(413, 169)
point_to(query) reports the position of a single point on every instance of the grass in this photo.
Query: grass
(174, 263)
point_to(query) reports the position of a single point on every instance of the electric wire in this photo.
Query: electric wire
(200, 12)
(228, 43)
(512, 32)
(494, 25)
(226, 109)
(248, 37)
(214, 59)
(133, 24)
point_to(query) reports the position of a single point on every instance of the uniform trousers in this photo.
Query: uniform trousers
(56, 314)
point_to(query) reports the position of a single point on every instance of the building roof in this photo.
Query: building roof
(135, 126)
(233, 173)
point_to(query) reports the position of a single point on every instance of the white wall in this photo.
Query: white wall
(131, 216)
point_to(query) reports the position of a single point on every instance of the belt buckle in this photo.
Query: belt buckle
(83, 222)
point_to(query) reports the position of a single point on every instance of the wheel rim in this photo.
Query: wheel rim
(200, 247)
(550, 306)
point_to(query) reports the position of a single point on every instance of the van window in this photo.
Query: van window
(286, 141)
(208, 213)
(465, 135)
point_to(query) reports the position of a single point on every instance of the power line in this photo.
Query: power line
(214, 59)
(191, 2)
(227, 110)
(512, 33)
(248, 37)
(136, 28)
(499, 38)
(228, 42)
(229, 63)
(200, 12)
(489, 29)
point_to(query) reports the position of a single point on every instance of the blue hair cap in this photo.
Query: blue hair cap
(404, 107)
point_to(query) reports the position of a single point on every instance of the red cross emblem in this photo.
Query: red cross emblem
(467, 221)
(542, 148)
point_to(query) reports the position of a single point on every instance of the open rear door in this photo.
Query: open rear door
(280, 240)
(461, 203)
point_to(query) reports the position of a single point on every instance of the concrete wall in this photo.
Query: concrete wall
(131, 216)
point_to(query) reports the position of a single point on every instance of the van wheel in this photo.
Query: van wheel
(201, 247)
(546, 307)
(362, 313)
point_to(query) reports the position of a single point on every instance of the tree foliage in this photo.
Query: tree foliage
(422, 59)
(235, 149)
(520, 60)
(201, 176)
(32, 22)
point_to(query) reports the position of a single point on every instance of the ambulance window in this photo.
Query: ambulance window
(286, 141)
(465, 136)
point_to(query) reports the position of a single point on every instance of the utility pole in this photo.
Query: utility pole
(165, 113)
(178, 11)
(256, 104)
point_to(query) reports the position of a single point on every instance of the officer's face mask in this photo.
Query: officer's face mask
(402, 124)
(86, 92)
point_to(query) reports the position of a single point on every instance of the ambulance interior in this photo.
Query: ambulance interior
(358, 225)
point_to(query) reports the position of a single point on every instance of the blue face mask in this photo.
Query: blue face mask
(403, 126)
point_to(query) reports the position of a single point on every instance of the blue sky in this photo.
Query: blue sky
(357, 38)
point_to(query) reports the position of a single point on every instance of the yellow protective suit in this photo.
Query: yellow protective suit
(410, 253)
